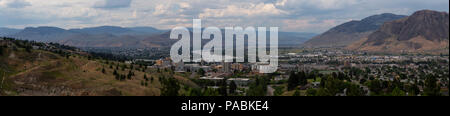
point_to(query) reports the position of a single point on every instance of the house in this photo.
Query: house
(179, 67)
(315, 84)
(164, 63)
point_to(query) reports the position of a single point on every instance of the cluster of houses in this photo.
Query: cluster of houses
(217, 72)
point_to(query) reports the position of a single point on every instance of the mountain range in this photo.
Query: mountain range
(347, 33)
(8, 31)
(424, 31)
(113, 36)
(104, 36)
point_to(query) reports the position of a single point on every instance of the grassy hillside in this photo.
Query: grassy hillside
(27, 69)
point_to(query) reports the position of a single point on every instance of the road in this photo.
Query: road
(270, 90)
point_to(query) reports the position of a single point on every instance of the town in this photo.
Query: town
(321, 72)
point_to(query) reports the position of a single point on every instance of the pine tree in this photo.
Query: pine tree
(115, 72)
(1, 50)
(201, 72)
(296, 93)
(293, 81)
(233, 87)
(145, 77)
(117, 77)
(223, 88)
(170, 87)
(431, 86)
(28, 48)
(122, 77)
(130, 74)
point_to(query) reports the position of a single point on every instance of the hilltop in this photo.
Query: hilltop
(424, 32)
(30, 68)
(349, 32)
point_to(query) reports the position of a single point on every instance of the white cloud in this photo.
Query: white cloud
(245, 10)
(161, 9)
(281, 2)
(289, 15)
(309, 24)
(319, 4)
(134, 13)
(14, 3)
(57, 9)
(171, 8)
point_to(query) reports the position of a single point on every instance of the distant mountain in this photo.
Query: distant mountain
(347, 33)
(425, 31)
(43, 34)
(132, 37)
(103, 30)
(148, 30)
(114, 30)
(8, 31)
(104, 36)
(285, 39)
(293, 39)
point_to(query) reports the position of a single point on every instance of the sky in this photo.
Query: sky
(313, 16)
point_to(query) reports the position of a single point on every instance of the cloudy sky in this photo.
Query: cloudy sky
(290, 15)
